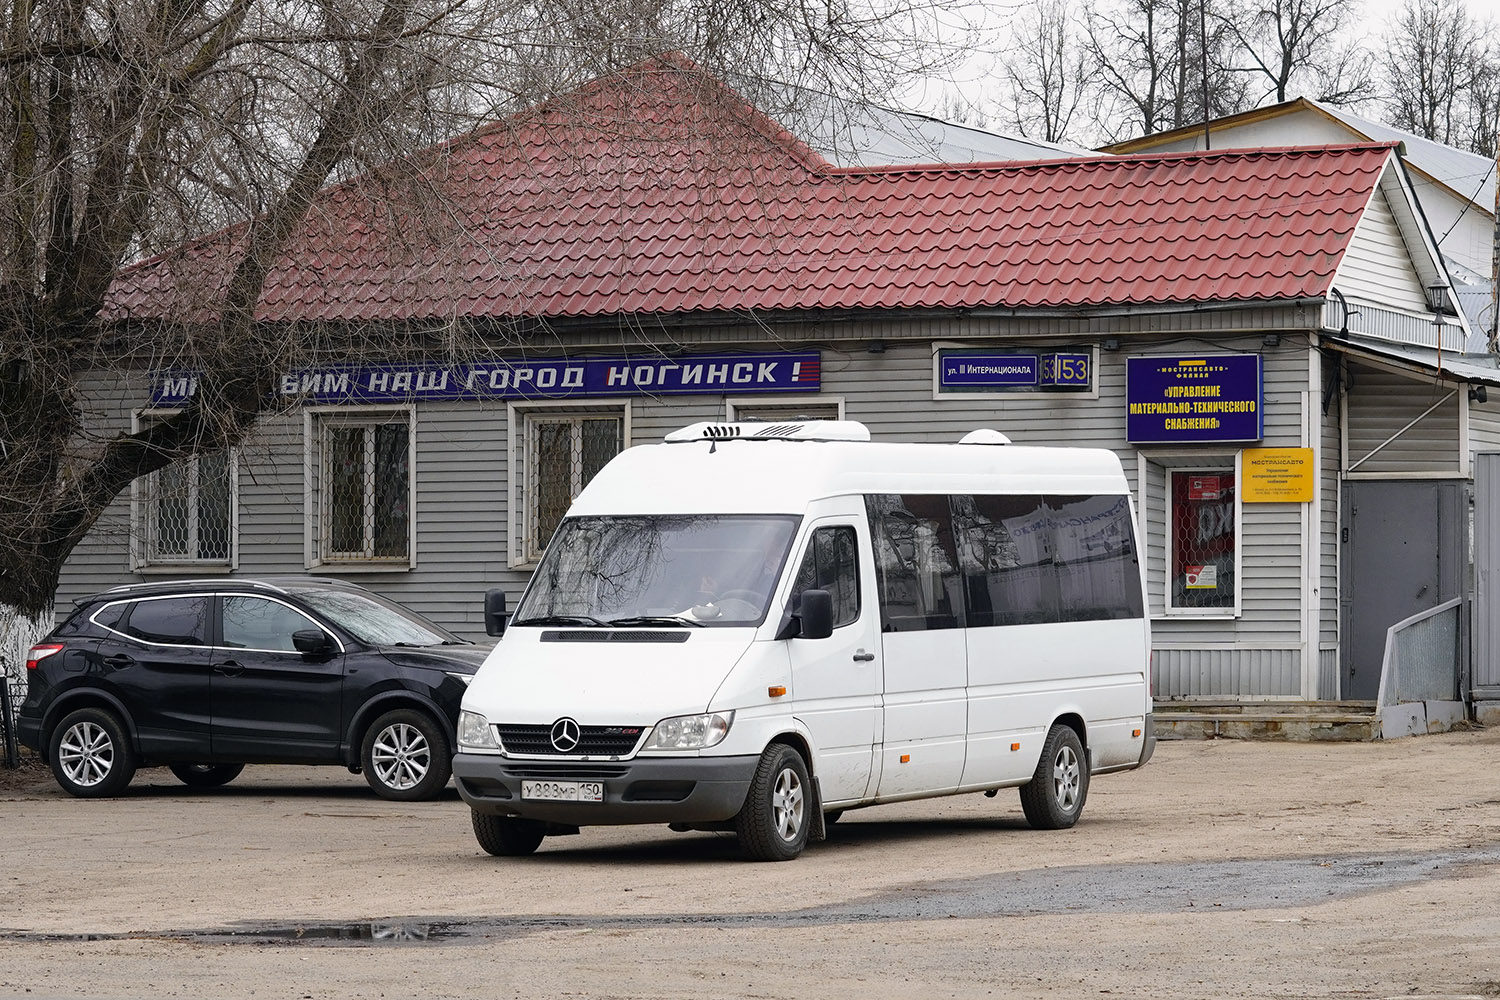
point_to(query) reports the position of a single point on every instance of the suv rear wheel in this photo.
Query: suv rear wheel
(406, 757)
(91, 754)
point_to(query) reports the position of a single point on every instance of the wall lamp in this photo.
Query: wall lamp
(876, 347)
(1478, 394)
(1271, 339)
(1110, 344)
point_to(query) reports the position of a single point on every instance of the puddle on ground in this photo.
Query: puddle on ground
(1167, 887)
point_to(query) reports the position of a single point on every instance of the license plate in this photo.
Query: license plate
(563, 791)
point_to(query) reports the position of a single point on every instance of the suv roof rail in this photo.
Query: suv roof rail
(218, 581)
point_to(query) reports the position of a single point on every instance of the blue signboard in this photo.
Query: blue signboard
(1211, 398)
(981, 371)
(547, 378)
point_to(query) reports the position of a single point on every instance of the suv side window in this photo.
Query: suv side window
(168, 621)
(831, 563)
(258, 623)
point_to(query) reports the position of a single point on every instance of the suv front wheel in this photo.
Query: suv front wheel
(405, 756)
(91, 754)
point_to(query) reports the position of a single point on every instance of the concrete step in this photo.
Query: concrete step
(1302, 721)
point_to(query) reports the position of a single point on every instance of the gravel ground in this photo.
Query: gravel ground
(1223, 868)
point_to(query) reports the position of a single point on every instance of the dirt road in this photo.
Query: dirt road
(1222, 869)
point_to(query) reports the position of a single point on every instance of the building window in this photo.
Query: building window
(364, 487)
(780, 409)
(186, 513)
(1202, 538)
(562, 450)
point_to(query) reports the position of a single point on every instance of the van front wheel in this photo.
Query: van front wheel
(507, 836)
(1053, 799)
(773, 823)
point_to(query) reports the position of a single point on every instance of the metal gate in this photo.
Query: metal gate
(1404, 552)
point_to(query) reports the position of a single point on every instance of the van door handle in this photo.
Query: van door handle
(860, 656)
(229, 668)
(119, 661)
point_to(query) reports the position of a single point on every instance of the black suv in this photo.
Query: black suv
(206, 676)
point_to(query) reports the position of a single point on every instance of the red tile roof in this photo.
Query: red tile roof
(640, 204)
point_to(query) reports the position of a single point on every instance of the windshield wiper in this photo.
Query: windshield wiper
(655, 620)
(563, 620)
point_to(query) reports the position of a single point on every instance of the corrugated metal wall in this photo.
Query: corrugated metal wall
(1486, 612)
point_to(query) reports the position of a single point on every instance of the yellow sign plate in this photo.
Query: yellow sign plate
(1277, 475)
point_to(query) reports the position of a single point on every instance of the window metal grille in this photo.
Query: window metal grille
(187, 511)
(772, 412)
(563, 452)
(1201, 522)
(366, 490)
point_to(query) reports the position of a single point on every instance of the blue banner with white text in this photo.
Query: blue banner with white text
(544, 378)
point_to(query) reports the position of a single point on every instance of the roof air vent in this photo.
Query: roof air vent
(984, 436)
(786, 430)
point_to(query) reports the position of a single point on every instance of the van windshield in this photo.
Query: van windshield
(679, 570)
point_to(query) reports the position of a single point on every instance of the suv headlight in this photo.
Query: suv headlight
(474, 731)
(690, 732)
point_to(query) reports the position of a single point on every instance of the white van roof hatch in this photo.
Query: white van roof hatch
(778, 430)
(984, 435)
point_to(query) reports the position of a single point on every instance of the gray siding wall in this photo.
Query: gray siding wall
(1329, 553)
(1484, 424)
(462, 513)
(1379, 404)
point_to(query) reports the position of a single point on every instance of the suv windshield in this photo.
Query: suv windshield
(373, 621)
(689, 569)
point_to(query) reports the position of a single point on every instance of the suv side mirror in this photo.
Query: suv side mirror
(312, 642)
(495, 617)
(816, 612)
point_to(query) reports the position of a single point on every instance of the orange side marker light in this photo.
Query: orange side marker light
(1015, 746)
(906, 758)
(775, 690)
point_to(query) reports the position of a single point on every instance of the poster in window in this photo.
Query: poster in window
(1203, 539)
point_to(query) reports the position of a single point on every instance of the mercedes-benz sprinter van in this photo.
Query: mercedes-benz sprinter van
(757, 626)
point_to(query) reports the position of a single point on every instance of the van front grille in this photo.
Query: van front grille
(593, 741)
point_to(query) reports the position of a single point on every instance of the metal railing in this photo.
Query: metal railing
(1424, 658)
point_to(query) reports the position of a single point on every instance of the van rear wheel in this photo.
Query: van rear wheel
(774, 822)
(1053, 799)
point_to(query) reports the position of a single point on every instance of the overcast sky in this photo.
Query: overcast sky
(975, 77)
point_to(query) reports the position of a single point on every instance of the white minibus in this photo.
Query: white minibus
(755, 627)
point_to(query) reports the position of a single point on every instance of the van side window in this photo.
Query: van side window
(1098, 568)
(1005, 549)
(916, 566)
(831, 563)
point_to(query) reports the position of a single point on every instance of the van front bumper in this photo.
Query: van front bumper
(643, 790)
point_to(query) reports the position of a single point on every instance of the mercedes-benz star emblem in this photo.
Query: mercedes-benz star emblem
(565, 735)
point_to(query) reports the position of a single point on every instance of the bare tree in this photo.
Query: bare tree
(1441, 66)
(1162, 64)
(136, 127)
(1049, 70)
(1301, 48)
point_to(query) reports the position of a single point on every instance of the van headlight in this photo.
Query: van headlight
(474, 732)
(690, 732)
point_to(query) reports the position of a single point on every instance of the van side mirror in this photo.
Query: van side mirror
(313, 642)
(495, 617)
(816, 612)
